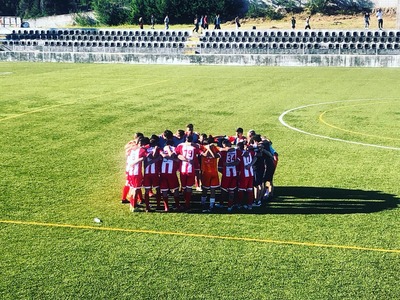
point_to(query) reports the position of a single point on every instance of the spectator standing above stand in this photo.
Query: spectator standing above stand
(308, 23)
(217, 22)
(205, 22)
(196, 24)
(141, 23)
(379, 16)
(367, 18)
(201, 23)
(293, 21)
(237, 23)
(152, 21)
(166, 22)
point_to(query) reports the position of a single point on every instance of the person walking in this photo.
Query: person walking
(308, 23)
(205, 22)
(196, 24)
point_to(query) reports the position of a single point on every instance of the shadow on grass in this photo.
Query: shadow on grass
(320, 200)
(316, 200)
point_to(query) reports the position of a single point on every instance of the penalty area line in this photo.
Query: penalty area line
(197, 235)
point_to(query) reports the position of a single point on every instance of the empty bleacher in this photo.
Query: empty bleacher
(96, 40)
(301, 42)
(338, 42)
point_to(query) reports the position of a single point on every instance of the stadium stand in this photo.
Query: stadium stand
(357, 42)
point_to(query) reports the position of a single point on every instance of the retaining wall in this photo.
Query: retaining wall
(234, 59)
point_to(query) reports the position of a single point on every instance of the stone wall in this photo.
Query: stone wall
(234, 59)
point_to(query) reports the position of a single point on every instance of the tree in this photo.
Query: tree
(112, 12)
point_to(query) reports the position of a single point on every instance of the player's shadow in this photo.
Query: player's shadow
(323, 200)
(320, 200)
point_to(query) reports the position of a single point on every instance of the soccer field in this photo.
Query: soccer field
(333, 231)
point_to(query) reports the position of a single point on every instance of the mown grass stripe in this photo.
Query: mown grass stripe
(198, 235)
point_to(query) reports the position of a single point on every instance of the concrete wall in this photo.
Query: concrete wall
(241, 60)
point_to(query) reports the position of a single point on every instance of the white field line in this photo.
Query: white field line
(281, 117)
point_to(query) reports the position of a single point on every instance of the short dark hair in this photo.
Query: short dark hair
(239, 130)
(144, 141)
(226, 142)
(168, 134)
(189, 138)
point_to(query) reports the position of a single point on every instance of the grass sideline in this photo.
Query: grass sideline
(63, 128)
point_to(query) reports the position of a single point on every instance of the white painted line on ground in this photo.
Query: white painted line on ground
(281, 117)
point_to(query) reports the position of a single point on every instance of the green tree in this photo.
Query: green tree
(112, 12)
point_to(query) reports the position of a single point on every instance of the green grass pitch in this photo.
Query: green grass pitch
(332, 233)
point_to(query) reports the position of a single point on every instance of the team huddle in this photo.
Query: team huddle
(172, 164)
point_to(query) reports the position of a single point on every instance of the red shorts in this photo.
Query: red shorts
(151, 180)
(187, 180)
(228, 183)
(135, 181)
(168, 182)
(245, 183)
(209, 180)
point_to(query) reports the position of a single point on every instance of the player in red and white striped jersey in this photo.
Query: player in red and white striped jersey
(168, 174)
(246, 175)
(229, 161)
(188, 154)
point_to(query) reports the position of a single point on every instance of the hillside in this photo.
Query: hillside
(318, 21)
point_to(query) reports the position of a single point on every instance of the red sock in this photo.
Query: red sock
(125, 192)
(134, 200)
